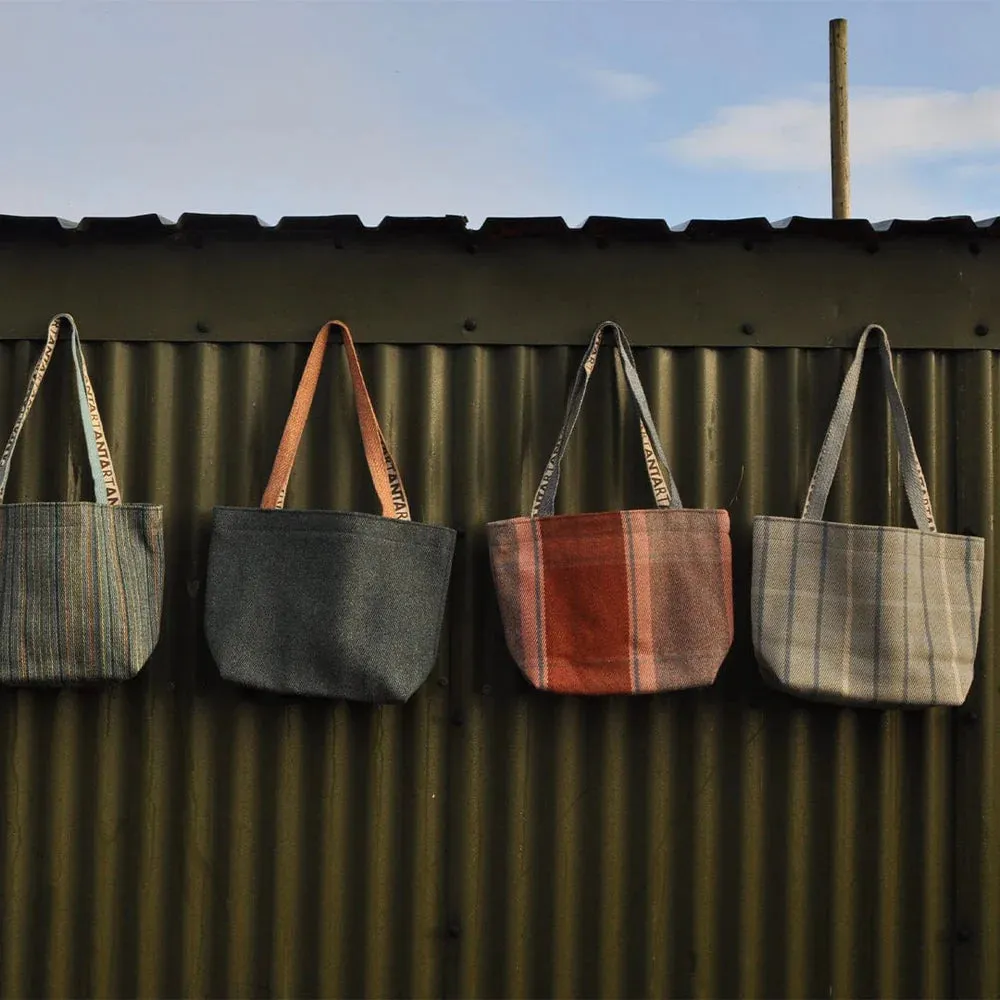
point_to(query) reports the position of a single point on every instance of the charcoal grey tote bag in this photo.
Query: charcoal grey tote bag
(81, 583)
(861, 613)
(328, 603)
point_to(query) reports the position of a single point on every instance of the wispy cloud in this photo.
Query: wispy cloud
(618, 85)
(888, 127)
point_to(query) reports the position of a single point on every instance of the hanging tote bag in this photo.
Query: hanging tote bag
(621, 602)
(328, 603)
(81, 584)
(859, 613)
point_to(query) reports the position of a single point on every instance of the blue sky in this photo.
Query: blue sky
(672, 110)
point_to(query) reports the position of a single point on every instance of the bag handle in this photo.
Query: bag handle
(833, 443)
(381, 465)
(101, 468)
(660, 478)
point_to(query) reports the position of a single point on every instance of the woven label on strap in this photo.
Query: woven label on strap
(660, 478)
(381, 465)
(102, 469)
(100, 441)
(661, 488)
(400, 505)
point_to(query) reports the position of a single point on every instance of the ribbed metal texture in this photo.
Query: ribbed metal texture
(177, 836)
(20, 227)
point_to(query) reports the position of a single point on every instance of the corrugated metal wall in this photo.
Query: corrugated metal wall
(180, 836)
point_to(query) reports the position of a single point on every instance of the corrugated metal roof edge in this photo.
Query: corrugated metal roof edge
(595, 227)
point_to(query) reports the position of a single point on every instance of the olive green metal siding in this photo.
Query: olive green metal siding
(179, 836)
(515, 281)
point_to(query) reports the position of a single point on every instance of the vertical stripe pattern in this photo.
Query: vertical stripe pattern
(828, 594)
(889, 621)
(619, 602)
(928, 636)
(819, 608)
(81, 591)
(879, 602)
(616, 603)
(644, 675)
(81, 584)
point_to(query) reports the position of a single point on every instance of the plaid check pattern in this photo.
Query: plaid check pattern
(621, 602)
(861, 613)
(866, 614)
(624, 602)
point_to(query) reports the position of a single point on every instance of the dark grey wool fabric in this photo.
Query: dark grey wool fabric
(328, 603)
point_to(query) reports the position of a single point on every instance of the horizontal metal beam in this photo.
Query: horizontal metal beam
(781, 291)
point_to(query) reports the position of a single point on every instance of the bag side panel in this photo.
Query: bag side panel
(515, 559)
(690, 579)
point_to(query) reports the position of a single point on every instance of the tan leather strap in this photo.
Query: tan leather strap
(381, 465)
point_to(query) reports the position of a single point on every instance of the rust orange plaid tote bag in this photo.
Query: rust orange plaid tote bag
(620, 602)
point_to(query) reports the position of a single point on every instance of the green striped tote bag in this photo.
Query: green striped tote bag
(81, 584)
(859, 613)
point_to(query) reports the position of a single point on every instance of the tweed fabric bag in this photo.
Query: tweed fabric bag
(619, 602)
(328, 603)
(81, 584)
(860, 613)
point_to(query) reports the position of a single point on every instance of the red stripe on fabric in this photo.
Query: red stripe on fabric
(587, 620)
(530, 598)
(641, 594)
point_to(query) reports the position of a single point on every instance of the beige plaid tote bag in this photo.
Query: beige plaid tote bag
(860, 613)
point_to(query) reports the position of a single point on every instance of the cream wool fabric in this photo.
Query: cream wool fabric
(861, 613)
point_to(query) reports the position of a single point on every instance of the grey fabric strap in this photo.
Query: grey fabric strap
(664, 488)
(826, 466)
(105, 483)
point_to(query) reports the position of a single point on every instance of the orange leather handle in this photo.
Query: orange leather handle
(381, 465)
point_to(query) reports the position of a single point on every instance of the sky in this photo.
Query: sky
(676, 110)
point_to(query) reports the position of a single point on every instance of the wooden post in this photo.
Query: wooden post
(840, 162)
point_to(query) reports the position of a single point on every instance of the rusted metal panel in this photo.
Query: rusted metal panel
(181, 836)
